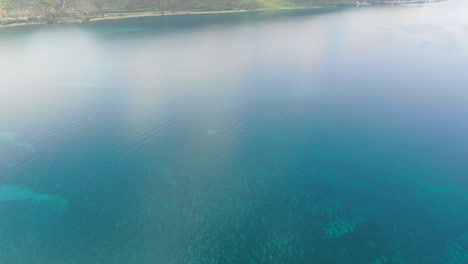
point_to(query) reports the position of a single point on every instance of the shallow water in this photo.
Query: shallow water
(335, 136)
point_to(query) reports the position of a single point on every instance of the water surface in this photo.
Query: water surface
(334, 136)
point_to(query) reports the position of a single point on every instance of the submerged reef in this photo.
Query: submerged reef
(15, 194)
(12, 150)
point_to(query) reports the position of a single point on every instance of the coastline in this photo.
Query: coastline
(22, 24)
(114, 16)
(86, 18)
(176, 13)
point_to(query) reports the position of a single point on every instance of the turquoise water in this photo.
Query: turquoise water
(335, 136)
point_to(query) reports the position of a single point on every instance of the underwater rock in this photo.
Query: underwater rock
(8, 137)
(12, 151)
(212, 132)
(15, 194)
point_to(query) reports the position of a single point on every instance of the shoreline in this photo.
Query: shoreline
(22, 24)
(178, 13)
(114, 16)
(129, 14)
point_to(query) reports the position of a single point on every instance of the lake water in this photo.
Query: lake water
(312, 136)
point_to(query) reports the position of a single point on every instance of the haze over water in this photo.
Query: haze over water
(312, 136)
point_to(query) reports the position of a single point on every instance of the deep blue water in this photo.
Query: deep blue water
(334, 136)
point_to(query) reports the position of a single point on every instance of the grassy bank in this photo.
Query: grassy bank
(89, 17)
(56, 14)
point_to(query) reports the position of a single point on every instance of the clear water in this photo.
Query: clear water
(272, 137)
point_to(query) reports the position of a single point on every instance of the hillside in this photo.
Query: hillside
(57, 11)
(29, 8)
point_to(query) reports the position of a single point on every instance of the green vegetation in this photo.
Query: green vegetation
(53, 11)
(51, 3)
(57, 6)
(3, 4)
